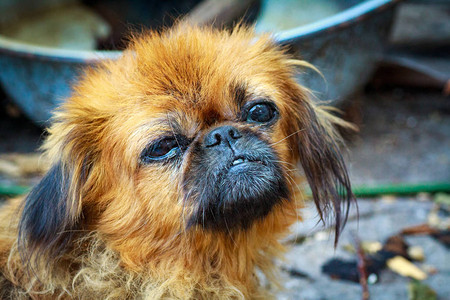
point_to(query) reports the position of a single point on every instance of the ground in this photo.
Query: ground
(379, 219)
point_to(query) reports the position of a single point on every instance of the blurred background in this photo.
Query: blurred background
(386, 66)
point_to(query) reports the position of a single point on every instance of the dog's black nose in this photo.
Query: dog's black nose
(224, 135)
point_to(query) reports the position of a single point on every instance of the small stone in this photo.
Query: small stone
(388, 198)
(321, 236)
(433, 219)
(349, 248)
(372, 278)
(442, 199)
(423, 197)
(416, 253)
(371, 246)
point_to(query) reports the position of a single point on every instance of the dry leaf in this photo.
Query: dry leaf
(419, 230)
(421, 291)
(404, 267)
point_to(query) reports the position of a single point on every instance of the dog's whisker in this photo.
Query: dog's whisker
(230, 234)
(290, 135)
(294, 185)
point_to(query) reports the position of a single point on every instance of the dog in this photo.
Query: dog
(174, 174)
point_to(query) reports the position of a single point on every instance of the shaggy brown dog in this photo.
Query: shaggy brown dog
(174, 174)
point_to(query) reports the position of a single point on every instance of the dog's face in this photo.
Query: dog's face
(190, 131)
(232, 175)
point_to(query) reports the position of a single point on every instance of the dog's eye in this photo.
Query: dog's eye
(261, 113)
(163, 149)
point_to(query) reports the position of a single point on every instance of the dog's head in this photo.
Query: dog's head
(193, 131)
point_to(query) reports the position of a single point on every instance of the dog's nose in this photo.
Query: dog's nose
(224, 135)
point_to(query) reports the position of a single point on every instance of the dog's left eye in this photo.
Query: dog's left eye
(163, 149)
(261, 113)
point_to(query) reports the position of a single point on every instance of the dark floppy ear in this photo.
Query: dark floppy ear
(51, 213)
(323, 164)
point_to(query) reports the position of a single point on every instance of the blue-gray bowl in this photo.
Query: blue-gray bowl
(344, 47)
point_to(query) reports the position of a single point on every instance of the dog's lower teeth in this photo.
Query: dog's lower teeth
(238, 161)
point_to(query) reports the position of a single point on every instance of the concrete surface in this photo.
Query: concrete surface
(405, 137)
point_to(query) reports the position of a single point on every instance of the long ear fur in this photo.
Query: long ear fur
(324, 165)
(51, 214)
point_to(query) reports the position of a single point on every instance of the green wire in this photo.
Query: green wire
(359, 191)
(13, 190)
(367, 191)
(400, 189)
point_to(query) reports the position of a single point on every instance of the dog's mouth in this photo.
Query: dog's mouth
(237, 191)
(242, 160)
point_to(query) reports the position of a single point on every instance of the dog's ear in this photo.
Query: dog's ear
(323, 164)
(51, 212)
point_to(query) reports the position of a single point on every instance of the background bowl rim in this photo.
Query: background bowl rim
(335, 22)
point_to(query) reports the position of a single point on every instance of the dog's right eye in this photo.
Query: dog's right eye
(165, 148)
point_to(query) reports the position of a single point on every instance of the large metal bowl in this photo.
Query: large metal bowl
(345, 47)
(38, 79)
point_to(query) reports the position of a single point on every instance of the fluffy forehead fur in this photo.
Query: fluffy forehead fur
(127, 219)
(194, 77)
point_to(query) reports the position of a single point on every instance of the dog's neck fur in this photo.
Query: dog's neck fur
(220, 266)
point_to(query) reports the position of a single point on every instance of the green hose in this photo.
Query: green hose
(361, 191)
(367, 191)
(400, 189)
(13, 190)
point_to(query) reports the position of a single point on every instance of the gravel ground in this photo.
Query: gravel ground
(379, 219)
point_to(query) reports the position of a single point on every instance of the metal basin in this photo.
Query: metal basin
(38, 79)
(345, 47)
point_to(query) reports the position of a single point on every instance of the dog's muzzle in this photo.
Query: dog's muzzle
(233, 179)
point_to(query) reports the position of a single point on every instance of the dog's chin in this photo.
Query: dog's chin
(245, 191)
